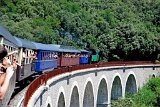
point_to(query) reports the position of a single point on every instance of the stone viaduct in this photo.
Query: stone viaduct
(92, 87)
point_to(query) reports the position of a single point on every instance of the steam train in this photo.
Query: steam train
(33, 57)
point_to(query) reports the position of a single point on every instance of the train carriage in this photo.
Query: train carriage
(26, 50)
(37, 57)
(7, 40)
(68, 55)
(84, 57)
(46, 57)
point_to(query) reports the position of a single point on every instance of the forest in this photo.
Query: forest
(121, 30)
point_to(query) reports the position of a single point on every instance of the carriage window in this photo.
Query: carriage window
(49, 55)
(46, 55)
(10, 49)
(59, 54)
(27, 56)
(42, 56)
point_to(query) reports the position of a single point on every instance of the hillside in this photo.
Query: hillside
(119, 29)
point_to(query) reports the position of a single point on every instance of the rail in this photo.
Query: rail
(44, 77)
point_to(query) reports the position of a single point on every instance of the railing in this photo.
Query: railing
(33, 87)
(44, 77)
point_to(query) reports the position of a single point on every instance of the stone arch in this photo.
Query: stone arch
(61, 98)
(88, 98)
(131, 86)
(102, 97)
(61, 101)
(153, 75)
(48, 102)
(74, 97)
(116, 90)
(48, 105)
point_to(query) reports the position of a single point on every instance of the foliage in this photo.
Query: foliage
(150, 94)
(117, 28)
(147, 96)
(122, 102)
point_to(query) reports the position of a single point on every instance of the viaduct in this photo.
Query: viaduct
(94, 86)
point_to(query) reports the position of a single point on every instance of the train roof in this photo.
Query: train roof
(5, 33)
(53, 47)
(58, 48)
(25, 43)
(84, 51)
(71, 49)
(40, 46)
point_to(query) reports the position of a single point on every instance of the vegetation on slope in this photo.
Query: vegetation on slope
(119, 29)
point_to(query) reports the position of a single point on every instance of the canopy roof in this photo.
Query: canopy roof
(25, 43)
(34, 45)
(84, 51)
(71, 49)
(40, 46)
(5, 33)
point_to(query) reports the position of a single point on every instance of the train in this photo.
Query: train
(34, 57)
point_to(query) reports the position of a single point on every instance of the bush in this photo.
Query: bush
(145, 96)
(127, 102)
